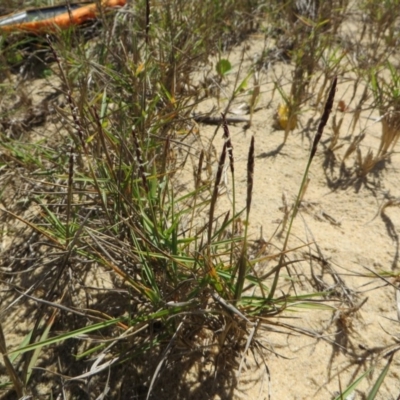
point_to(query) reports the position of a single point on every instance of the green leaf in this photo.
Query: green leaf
(67, 335)
(374, 391)
(243, 84)
(37, 351)
(350, 389)
(223, 67)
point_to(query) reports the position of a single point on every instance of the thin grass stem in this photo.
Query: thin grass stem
(320, 130)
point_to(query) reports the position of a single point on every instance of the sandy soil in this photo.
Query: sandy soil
(350, 226)
(345, 232)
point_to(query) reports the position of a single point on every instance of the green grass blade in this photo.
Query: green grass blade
(36, 353)
(67, 335)
(350, 389)
(374, 391)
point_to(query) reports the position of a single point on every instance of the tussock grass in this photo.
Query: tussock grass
(130, 272)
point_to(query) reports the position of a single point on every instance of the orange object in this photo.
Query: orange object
(62, 16)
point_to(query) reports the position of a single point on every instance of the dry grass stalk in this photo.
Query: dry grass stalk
(140, 161)
(390, 132)
(359, 108)
(286, 213)
(334, 143)
(242, 263)
(12, 373)
(353, 147)
(214, 196)
(255, 94)
(366, 164)
(317, 138)
(70, 194)
(390, 135)
(73, 107)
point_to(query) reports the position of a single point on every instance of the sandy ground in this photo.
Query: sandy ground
(346, 231)
(351, 228)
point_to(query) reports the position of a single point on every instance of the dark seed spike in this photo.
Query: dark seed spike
(324, 118)
(250, 175)
(227, 137)
(147, 21)
(214, 196)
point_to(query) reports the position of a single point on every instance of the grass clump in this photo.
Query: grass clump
(137, 275)
(110, 207)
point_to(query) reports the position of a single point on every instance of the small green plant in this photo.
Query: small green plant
(223, 67)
